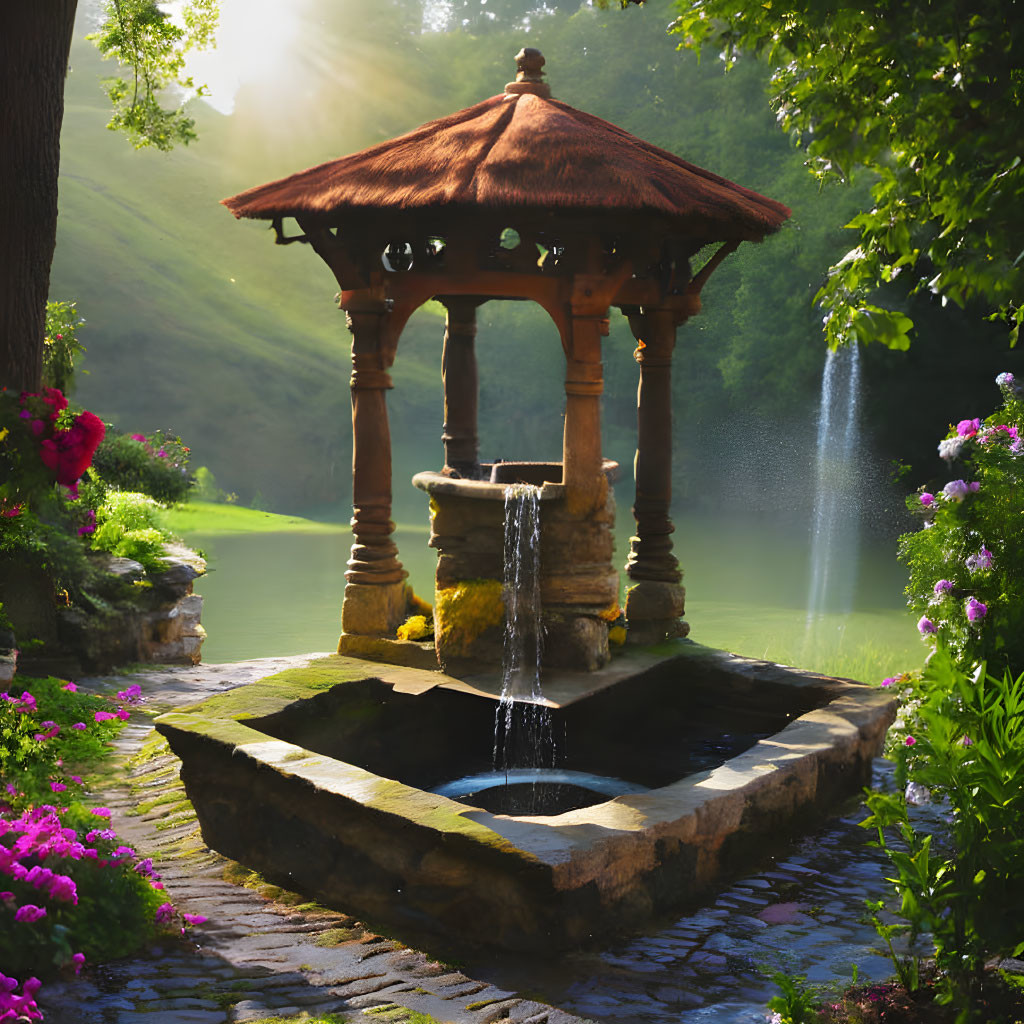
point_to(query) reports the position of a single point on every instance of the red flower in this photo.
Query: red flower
(70, 452)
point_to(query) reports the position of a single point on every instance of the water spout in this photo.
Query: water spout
(836, 520)
(522, 727)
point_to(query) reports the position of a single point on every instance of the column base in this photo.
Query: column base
(654, 612)
(374, 609)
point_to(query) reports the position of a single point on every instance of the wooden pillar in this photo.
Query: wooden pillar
(656, 601)
(585, 482)
(459, 375)
(375, 590)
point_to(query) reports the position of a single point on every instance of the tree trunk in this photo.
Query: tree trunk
(35, 40)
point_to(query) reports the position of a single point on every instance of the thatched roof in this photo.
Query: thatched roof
(519, 152)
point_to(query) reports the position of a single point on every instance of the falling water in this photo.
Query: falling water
(522, 727)
(836, 522)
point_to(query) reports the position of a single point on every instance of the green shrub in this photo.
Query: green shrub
(156, 464)
(130, 525)
(961, 738)
(967, 562)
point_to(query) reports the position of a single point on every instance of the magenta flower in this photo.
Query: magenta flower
(101, 812)
(104, 716)
(131, 695)
(79, 726)
(968, 428)
(194, 918)
(925, 626)
(29, 913)
(78, 959)
(58, 787)
(976, 611)
(1000, 432)
(942, 587)
(927, 499)
(164, 913)
(889, 681)
(909, 741)
(70, 687)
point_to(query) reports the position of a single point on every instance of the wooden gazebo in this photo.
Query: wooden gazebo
(518, 197)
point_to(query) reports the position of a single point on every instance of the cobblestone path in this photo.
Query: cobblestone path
(256, 957)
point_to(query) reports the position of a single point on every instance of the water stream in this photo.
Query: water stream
(836, 518)
(522, 724)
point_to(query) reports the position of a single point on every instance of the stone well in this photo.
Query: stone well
(578, 580)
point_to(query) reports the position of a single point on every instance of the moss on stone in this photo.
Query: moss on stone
(465, 611)
(270, 694)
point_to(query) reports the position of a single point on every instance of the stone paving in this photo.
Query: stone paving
(257, 957)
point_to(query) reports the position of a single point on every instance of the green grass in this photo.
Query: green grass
(209, 519)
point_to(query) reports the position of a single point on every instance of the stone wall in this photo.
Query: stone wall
(124, 616)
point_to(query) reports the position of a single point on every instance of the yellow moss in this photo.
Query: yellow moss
(465, 611)
(416, 627)
(617, 635)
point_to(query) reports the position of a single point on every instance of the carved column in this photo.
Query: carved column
(585, 482)
(656, 601)
(375, 588)
(459, 375)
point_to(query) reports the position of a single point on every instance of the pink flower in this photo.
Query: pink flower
(889, 681)
(927, 499)
(968, 428)
(78, 959)
(194, 918)
(70, 687)
(101, 812)
(69, 453)
(164, 913)
(58, 787)
(141, 438)
(29, 913)
(909, 741)
(131, 695)
(79, 726)
(104, 716)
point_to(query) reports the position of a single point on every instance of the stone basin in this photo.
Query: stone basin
(321, 777)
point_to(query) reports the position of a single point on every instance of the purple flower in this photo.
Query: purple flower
(942, 587)
(976, 611)
(104, 716)
(927, 499)
(1005, 380)
(982, 560)
(889, 681)
(974, 486)
(29, 913)
(164, 913)
(79, 726)
(909, 741)
(956, 490)
(968, 428)
(101, 812)
(194, 918)
(58, 787)
(925, 626)
(131, 695)
(967, 742)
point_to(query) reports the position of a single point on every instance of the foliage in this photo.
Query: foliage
(967, 561)
(153, 44)
(962, 739)
(61, 346)
(130, 525)
(48, 731)
(156, 464)
(924, 95)
(795, 1004)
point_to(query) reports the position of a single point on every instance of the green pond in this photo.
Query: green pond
(747, 585)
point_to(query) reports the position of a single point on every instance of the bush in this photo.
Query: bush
(129, 525)
(967, 562)
(156, 465)
(960, 739)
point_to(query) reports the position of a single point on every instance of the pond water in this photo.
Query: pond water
(747, 586)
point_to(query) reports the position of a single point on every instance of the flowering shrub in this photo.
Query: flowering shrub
(61, 345)
(48, 732)
(156, 464)
(961, 739)
(967, 561)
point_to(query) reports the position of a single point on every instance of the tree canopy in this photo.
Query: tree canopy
(924, 97)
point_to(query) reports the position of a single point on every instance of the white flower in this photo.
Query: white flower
(950, 448)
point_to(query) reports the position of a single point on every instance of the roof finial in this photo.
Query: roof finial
(529, 76)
